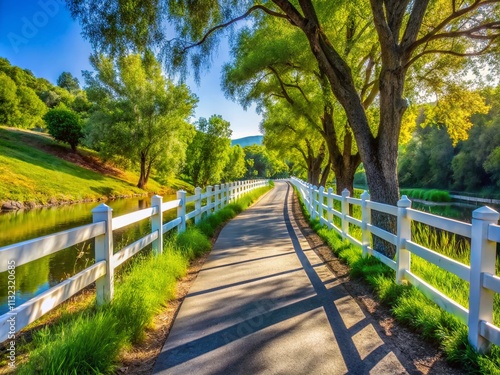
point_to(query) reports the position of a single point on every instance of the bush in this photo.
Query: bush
(64, 125)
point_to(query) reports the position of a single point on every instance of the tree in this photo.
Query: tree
(26, 110)
(141, 116)
(288, 87)
(293, 140)
(209, 152)
(235, 167)
(262, 163)
(64, 126)
(408, 33)
(8, 99)
(68, 82)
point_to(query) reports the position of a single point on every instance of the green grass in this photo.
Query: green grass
(90, 342)
(409, 305)
(430, 195)
(30, 174)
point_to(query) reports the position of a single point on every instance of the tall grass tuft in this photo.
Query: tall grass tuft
(432, 195)
(88, 344)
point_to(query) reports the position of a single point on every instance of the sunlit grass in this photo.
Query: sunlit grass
(32, 175)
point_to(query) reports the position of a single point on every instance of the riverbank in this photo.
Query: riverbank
(39, 172)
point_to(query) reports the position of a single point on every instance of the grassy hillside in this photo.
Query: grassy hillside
(37, 170)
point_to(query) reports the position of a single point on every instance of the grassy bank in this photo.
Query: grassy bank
(430, 195)
(408, 304)
(90, 341)
(34, 172)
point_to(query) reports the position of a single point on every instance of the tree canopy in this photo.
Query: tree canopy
(140, 115)
(209, 152)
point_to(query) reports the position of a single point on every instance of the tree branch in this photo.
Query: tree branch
(234, 20)
(282, 84)
(447, 52)
(454, 15)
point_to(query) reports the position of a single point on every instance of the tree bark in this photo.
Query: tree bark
(142, 178)
(343, 163)
(314, 163)
(325, 174)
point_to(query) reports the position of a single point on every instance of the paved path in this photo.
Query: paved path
(264, 303)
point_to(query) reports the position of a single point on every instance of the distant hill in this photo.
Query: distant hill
(248, 141)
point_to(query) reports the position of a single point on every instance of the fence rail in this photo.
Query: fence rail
(106, 258)
(484, 233)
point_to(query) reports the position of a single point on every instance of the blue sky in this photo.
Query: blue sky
(41, 36)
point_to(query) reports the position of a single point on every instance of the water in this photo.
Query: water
(36, 277)
(453, 210)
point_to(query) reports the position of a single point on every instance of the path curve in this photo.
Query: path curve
(264, 303)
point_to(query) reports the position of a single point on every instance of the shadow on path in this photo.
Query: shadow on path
(262, 306)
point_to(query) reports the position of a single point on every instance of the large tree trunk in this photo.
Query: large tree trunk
(314, 163)
(343, 162)
(142, 178)
(325, 174)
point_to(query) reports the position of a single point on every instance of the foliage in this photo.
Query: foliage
(209, 152)
(141, 116)
(25, 99)
(262, 163)
(426, 159)
(68, 82)
(64, 126)
(8, 99)
(455, 109)
(430, 160)
(235, 167)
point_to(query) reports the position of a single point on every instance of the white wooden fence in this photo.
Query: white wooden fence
(484, 233)
(106, 259)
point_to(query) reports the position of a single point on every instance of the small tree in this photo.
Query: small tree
(64, 126)
(68, 82)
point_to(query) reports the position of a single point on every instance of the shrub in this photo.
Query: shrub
(64, 125)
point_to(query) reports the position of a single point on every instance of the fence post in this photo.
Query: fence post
(310, 195)
(321, 195)
(208, 191)
(329, 202)
(366, 215)
(157, 224)
(226, 194)
(197, 205)
(482, 260)
(104, 251)
(181, 211)
(314, 190)
(345, 212)
(217, 198)
(230, 192)
(403, 256)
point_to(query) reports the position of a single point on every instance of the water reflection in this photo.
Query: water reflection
(36, 277)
